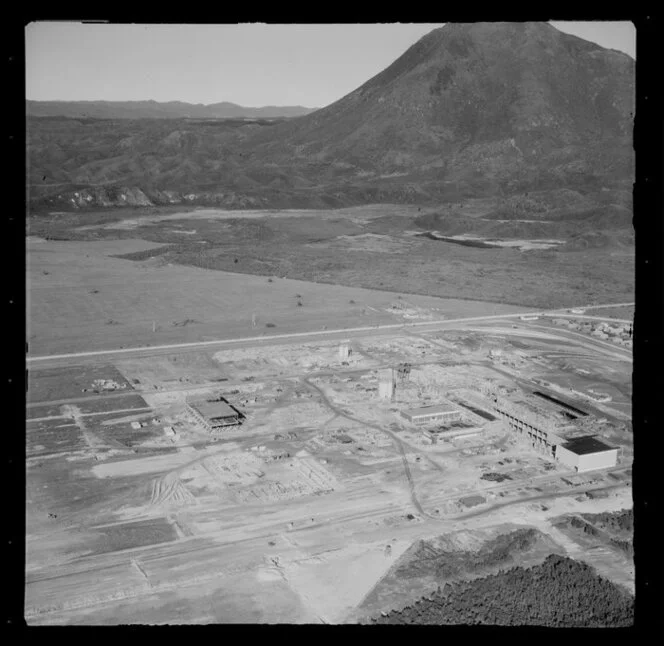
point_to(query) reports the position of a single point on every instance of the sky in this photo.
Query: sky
(250, 64)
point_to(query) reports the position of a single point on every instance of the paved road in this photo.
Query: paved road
(543, 496)
(590, 342)
(252, 341)
(601, 307)
(596, 318)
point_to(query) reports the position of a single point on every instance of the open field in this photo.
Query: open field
(61, 383)
(81, 297)
(372, 246)
(316, 498)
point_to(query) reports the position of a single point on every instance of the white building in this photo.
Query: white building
(386, 389)
(586, 453)
(430, 414)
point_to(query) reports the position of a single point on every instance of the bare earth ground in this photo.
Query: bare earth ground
(287, 518)
(301, 513)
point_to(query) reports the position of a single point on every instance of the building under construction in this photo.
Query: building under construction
(537, 429)
(544, 435)
(215, 415)
(390, 379)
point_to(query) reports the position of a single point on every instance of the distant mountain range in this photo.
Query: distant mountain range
(157, 110)
(517, 112)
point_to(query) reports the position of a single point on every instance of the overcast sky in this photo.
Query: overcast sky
(253, 65)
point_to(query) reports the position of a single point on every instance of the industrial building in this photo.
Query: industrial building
(214, 415)
(581, 453)
(539, 431)
(587, 453)
(430, 414)
(388, 380)
(345, 351)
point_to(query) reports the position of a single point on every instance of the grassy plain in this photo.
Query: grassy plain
(373, 247)
(81, 296)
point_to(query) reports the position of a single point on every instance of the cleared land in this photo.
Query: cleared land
(319, 498)
(137, 513)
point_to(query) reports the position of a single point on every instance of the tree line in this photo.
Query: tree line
(560, 592)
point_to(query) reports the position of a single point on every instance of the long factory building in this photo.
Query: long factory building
(430, 414)
(580, 453)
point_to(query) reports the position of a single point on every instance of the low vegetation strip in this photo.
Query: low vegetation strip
(317, 247)
(427, 559)
(615, 529)
(619, 521)
(560, 592)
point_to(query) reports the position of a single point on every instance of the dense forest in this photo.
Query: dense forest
(560, 592)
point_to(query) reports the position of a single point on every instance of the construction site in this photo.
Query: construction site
(207, 482)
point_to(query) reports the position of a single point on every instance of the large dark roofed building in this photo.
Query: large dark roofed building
(214, 414)
(586, 444)
(587, 453)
